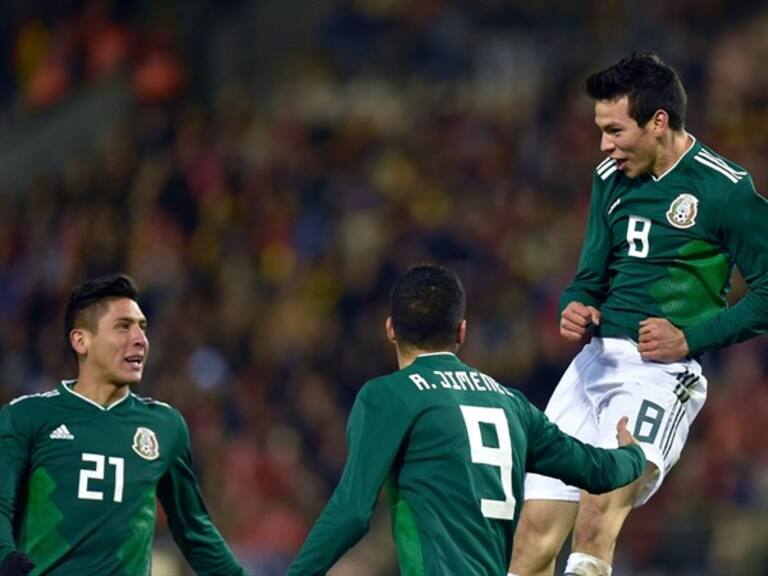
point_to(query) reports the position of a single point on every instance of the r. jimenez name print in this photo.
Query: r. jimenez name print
(458, 380)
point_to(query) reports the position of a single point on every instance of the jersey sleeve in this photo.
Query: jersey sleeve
(14, 455)
(377, 425)
(553, 453)
(590, 284)
(191, 526)
(744, 233)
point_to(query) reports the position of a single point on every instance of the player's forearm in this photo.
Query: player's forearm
(593, 469)
(7, 543)
(196, 536)
(335, 532)
(613, 469)
(747, 319)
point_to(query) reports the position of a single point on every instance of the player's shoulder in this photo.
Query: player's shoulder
(383, 383)
(32, 409)
(607, 168)
(155, 407)
(608, 182)
(36, 401)
(161, 413)
(715, 169)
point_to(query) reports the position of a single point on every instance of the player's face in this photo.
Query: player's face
(119, 348)
(632, 146)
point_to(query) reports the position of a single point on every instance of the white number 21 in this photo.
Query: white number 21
(97, 473)
(500, 457)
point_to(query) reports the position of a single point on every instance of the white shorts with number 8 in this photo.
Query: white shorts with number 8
(607, 380)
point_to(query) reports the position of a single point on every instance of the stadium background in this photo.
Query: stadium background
(265, 169)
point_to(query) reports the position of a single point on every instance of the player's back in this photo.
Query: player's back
(452, 484)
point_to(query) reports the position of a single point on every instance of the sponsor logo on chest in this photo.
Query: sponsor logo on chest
(683, 210)
(145, 444)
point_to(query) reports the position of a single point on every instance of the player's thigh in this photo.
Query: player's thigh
(572, 410)
(660, 414)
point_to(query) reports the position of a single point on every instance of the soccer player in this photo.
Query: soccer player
(81, 465)
(451, 445)
(668, 219)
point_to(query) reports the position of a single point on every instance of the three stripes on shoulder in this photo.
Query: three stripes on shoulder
(609, 166)
(716, 163)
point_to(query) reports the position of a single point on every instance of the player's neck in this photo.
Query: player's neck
(671, 151)
(98, 391)
(407, 356)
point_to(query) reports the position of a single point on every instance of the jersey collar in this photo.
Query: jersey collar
(427, 354)
(432, 358)
(67, 386)
(693, 145)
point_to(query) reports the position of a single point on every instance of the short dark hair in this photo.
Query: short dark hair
(649, 85)
(427, 306)
(88, 300)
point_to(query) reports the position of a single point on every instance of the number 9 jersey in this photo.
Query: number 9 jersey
(79, 482)
(665, 247)
(452, 447)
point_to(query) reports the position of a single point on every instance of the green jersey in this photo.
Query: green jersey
(452, 447)
(666, 246)
(78, 486)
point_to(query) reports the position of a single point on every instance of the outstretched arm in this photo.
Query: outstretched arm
(14, 451)
(191, 526)
(596, 470)
(375, 418)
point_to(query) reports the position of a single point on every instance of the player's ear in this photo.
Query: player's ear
(461, 332)
(660, 121)
(390, 330)
(78, 339)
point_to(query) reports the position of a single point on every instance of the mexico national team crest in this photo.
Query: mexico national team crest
(682, 212)
(145, 444)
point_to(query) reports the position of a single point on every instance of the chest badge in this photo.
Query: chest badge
(683, 210)
(145, 444)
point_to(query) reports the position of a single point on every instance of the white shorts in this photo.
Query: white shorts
(607, 380)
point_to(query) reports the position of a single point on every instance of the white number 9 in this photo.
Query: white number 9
(500, 457)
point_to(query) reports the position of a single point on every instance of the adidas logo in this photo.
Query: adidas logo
(62, 433)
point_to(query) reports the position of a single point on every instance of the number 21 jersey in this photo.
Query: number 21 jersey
(79, 481)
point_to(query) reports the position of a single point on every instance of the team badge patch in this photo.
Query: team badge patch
(682, 212)
(145, 444)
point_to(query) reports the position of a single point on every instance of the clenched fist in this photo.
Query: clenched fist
(576, 320)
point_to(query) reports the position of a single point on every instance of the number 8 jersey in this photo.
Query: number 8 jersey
(79, 482)
(665, 247)
(452, 447)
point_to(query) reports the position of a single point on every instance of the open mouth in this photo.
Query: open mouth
(621, 163)
(135, 361)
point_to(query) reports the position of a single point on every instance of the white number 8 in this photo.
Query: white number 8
(500, 457)
(637, 236)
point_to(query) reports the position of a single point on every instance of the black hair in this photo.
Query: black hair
(92, 296)
(649, 85)
(427, 306)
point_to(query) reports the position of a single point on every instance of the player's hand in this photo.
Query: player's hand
(16, 564)
(622, 434)
(576, 320)
(661, 341)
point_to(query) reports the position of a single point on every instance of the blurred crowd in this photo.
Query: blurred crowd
(265, 235)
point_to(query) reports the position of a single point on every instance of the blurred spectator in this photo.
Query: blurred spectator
(265, 232)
